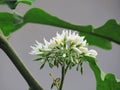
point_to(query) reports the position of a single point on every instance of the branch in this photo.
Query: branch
(7, 48)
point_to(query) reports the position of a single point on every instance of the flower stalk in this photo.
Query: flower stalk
(65, 50)
(63, 74)
(7, 48)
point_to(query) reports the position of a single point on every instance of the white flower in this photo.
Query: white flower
(65, 48)
(83, 49)
(36, 48)
(91, 53)
(39, 48)
(77, 50)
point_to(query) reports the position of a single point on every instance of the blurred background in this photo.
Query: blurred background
(80, 12)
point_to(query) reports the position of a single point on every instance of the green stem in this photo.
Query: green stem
(64, 71)
(62, 78)
(7, 48)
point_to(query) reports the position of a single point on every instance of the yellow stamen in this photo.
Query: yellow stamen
(56, 41)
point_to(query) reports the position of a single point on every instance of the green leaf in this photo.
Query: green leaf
(39, 16)
(29, 2)
(101, 36)
(7, 23)
(92, 35)
(13, 3)
(103, 82)
(30, 89)
(17, 19)
(98, 41)
(110, 30)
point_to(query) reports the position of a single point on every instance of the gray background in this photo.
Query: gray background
(95, 12)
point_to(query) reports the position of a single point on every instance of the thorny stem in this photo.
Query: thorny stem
(7, 48)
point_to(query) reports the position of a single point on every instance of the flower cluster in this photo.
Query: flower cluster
(67, 48)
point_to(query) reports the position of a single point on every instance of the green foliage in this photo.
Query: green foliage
(103, 82)
(97, 41)
(100, 37)
(29, 2)
(7, 23)
(110, 30)
(30, 89)
(94, 36)
(13, 3)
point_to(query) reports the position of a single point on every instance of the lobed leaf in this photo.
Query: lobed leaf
(101, 36)
(44, 18)
(110, 30)
(97, 41)
(103, 82)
